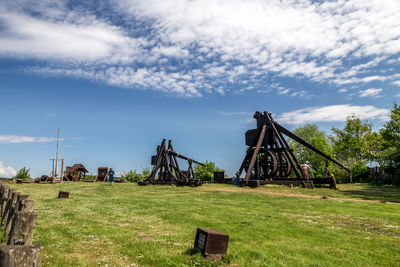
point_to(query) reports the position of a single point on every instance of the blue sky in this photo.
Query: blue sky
(118, 76)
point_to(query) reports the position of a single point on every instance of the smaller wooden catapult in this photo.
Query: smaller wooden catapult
(166, 168)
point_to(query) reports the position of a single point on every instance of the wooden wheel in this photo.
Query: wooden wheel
(285, 167)
(267, 164)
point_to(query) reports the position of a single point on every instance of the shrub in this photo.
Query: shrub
(23, 174)
(134, 177)
(206, 172)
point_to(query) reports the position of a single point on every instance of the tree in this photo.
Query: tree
(390, 133)
(206, 172)
(23, 174)
(317, 138)
(356, 144)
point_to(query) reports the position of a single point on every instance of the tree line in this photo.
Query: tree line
(357, 146)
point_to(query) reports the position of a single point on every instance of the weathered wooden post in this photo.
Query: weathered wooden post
(22, 228)
(16, 256)
(26, 205)
(11, 201)
(11, 215)
(4, 199)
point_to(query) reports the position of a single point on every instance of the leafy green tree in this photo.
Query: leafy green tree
(206, 172)
(317, 138)
(356, 144)
(390, 152)
(23, 174)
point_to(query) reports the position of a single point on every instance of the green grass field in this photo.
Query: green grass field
(128, 225)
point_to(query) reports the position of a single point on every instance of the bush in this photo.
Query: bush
(206, 172)
(134, 177)
(23, 174)
(360, 173)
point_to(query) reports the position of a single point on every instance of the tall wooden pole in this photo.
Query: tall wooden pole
(62, 170)
(52, 169)
(58, 135)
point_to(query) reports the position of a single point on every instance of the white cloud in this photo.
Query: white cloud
(142, 78)
(6, 172)
(396, 83)
(370, 92)
(343, 90)
(175, 41)
(331, 113)
(14, 139)
(77, 42)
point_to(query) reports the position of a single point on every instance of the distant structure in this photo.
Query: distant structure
(75, 173)
(166, 168)
(102, 174)
(54, 170)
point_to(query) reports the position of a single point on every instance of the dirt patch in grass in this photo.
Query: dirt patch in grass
(264, 192)
(144, 236)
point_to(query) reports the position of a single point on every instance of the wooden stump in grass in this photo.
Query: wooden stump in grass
(15, 256)
(22, 229)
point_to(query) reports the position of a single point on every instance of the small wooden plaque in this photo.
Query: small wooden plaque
(63, 194)
(211, 242)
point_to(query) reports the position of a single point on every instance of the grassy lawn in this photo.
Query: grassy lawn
(128, 225)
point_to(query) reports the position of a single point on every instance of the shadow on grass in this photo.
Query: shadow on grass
(197, 258)
(383, 193)
(192, 251)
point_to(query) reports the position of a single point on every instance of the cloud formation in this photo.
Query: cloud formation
(6, 172)
(370, 92)
(196, 47)
(14, 139)
(332, 113)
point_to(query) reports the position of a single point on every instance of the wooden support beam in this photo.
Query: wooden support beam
(255, 153)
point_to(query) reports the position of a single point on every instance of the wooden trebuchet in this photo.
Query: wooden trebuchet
(269, 159)
(16, 256)
(166, 168)
(22, 229)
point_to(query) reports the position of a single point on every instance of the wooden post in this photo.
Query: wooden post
(255, 153)
(52, 169)
(4, 198)
(11, 214)
(26, 205)
(56, 170)
(12, 198)
(22, 228)
(15, 256)
(62, 170)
